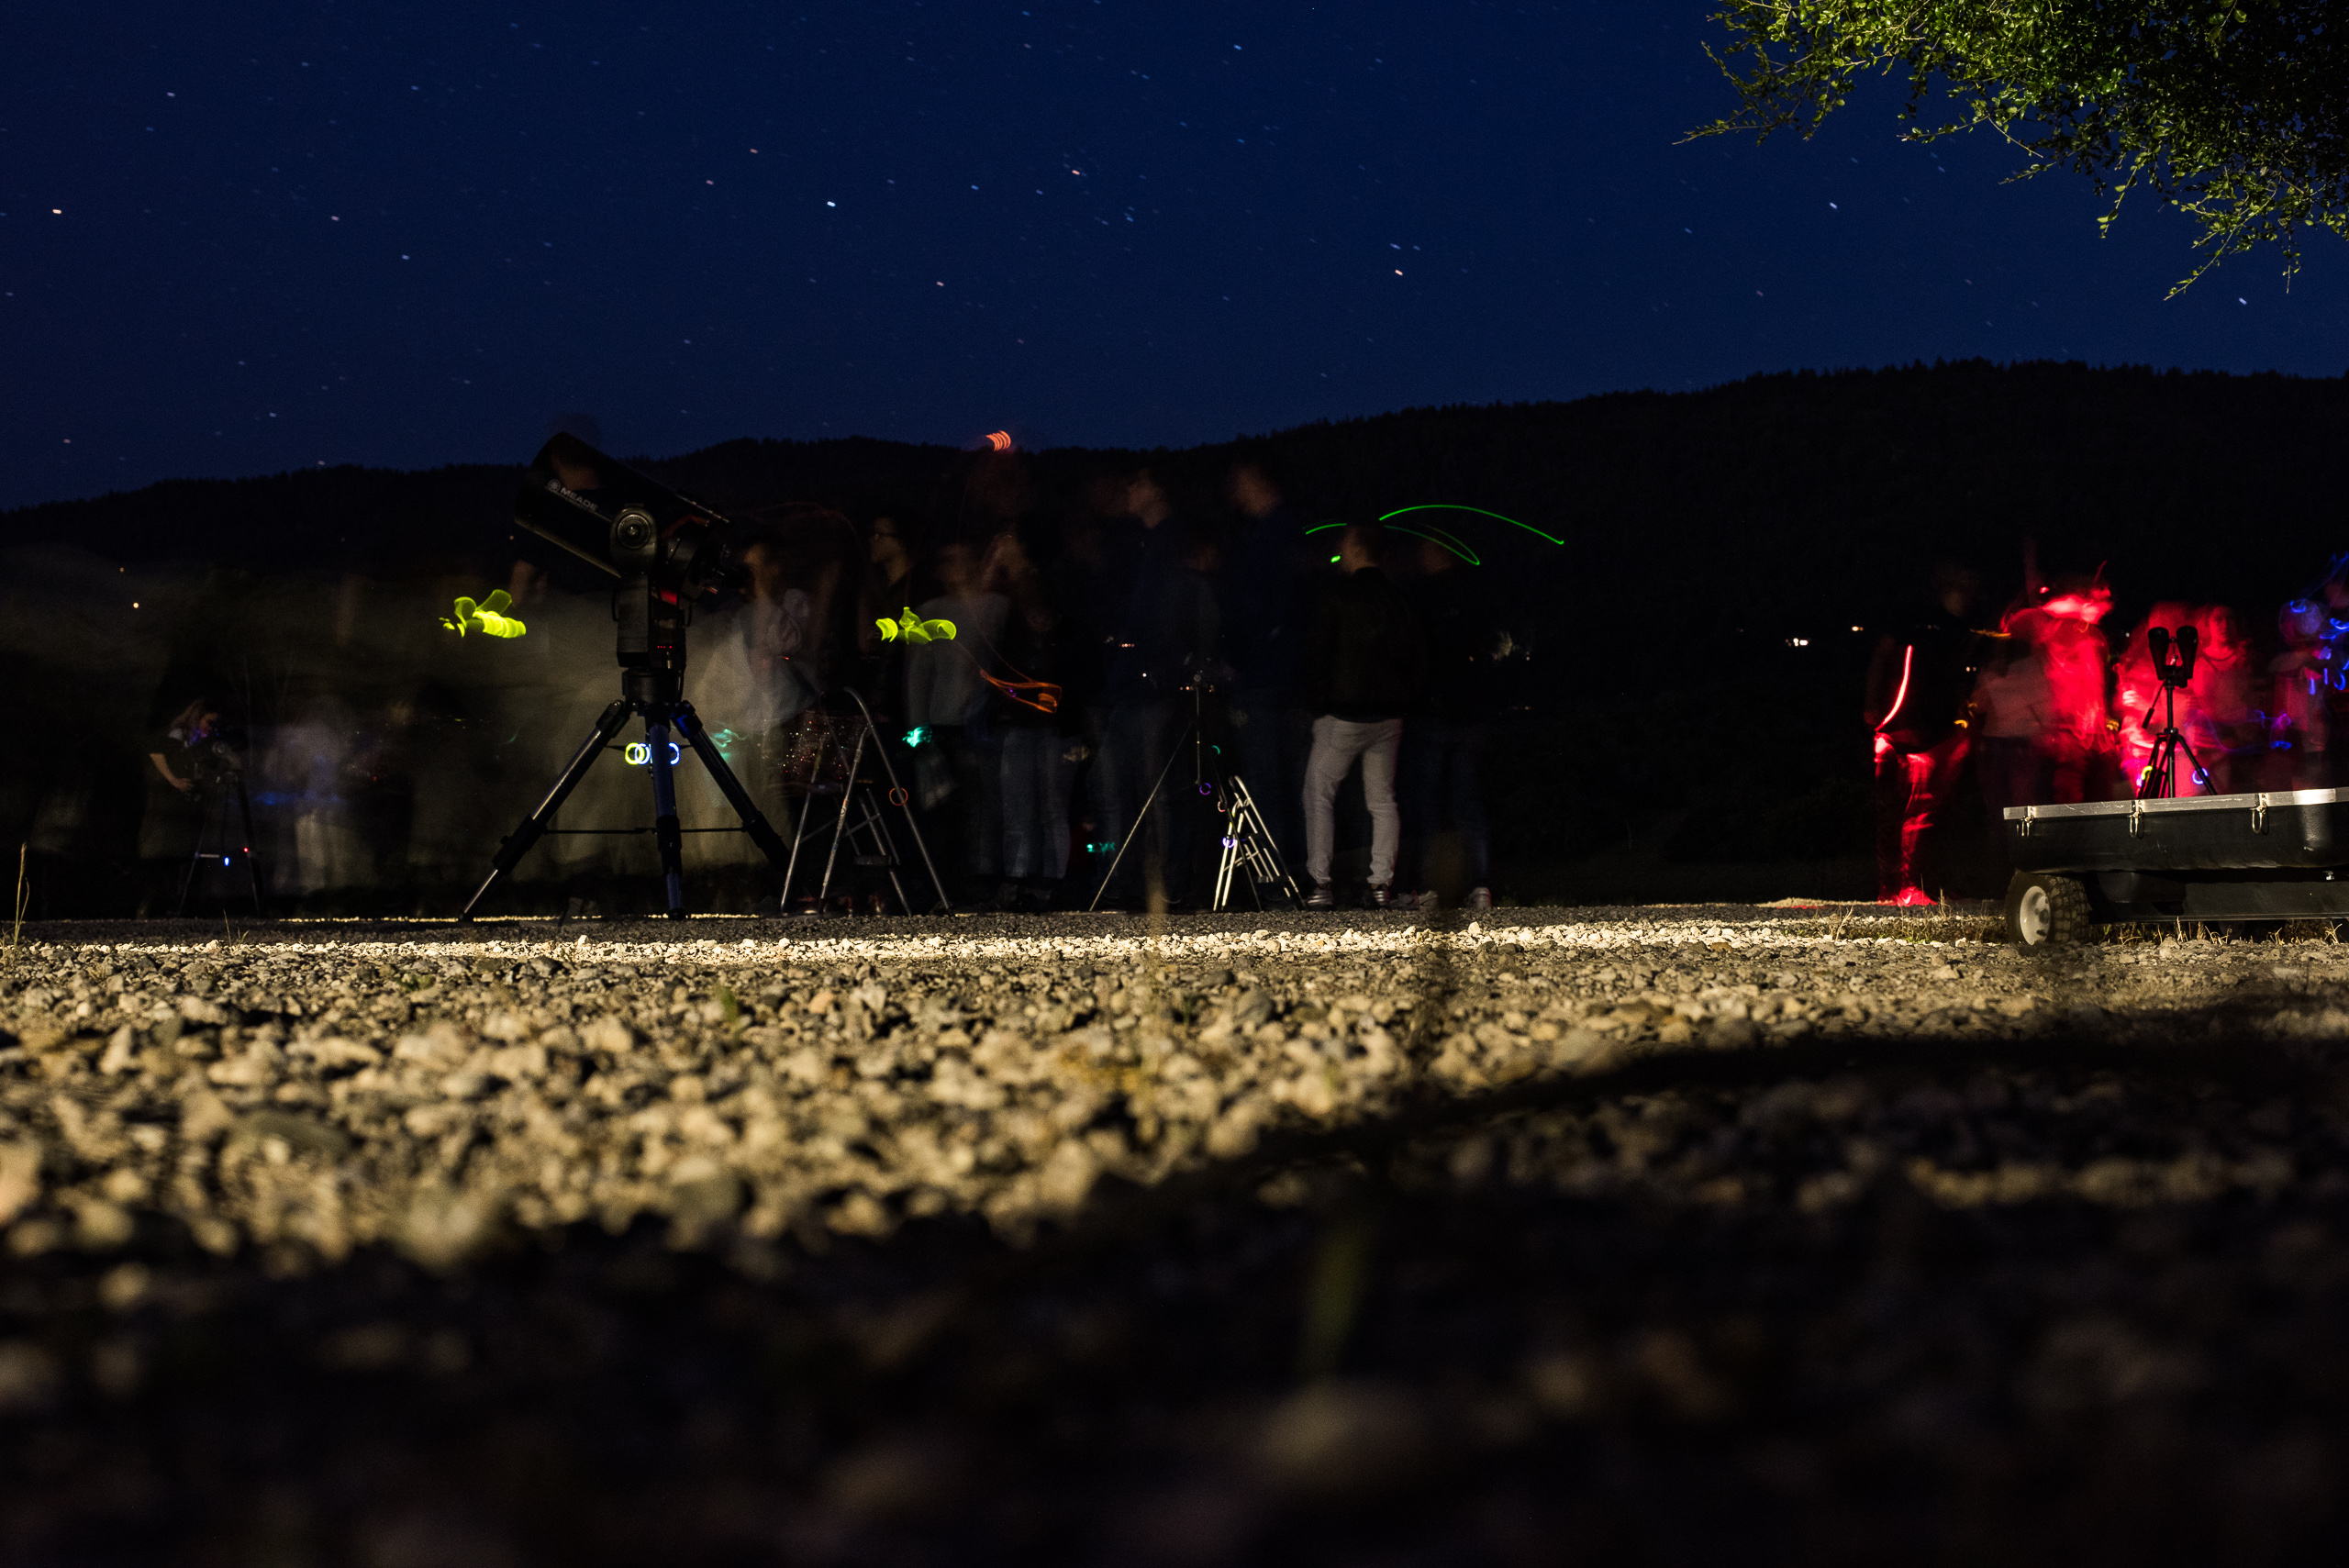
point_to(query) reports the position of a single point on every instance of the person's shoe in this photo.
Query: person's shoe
(1429, 902)
(1478, 902)
(1379, 897)
(1911, 898)
(1323, 897)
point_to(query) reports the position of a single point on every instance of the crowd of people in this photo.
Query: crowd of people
(1056, 721)
(2042, 707)
(1050, 725)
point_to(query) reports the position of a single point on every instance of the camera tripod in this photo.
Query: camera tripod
(1247, 846)
(860, 823)
(215, 834)
(2159, 781)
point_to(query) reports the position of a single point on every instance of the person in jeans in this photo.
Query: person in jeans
(1365, 663)
(1446, 755)
(1035, 730)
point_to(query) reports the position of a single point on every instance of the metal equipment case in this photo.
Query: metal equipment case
(2205, 857)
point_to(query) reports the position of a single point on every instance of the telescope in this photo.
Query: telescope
(667, 551)
(620, 522)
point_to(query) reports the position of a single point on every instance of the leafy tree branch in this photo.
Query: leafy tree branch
(2234, 111)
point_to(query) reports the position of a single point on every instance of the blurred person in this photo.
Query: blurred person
(1038, 749)
(1366, 667)
(173, 819)
(1158, 640)
(2300, 680)
(889, 582)
(2012, 704)
(1076, 579)
(316, 758)
(892, 560)
(1917, 686)
(2067, 629)
(759, 679)
(947, 725)
(526, 584)
(1264, 643)
(776, 629)
(1444, 753)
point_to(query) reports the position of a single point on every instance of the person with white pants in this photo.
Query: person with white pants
(1365, 663)
(1336, 743)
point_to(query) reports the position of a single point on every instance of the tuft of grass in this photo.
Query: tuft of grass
(1948, 929)
(729, 1011)
(17, 933)
(1932, 928)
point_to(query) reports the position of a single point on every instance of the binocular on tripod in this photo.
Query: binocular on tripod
(2175, 671)
(2174, 663)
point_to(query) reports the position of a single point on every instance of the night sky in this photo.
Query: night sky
(409, 235)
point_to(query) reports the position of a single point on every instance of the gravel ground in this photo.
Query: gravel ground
(1825, 1234)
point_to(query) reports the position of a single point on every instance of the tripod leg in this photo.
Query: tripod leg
(1236, 855)
(1140, 817)
(877, 826)
(799, 837)
(904, 804)
(665, 829)
(754, 821)
(1264, 858)
(213, 809)
(187, 877)
(253, 870)
(518, 843)
(2193, 763)
(839, 829)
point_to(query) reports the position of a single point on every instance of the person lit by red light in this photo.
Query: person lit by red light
(2011, 702)
(2215, 712)
(2077, 737)
(1917, 686)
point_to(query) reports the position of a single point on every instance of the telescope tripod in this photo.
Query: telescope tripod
(659, 698)
(1247, 841)
(860, 823)
(2159, 781)
(216, 833)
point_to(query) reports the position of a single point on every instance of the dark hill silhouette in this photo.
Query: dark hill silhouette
(1795, 500)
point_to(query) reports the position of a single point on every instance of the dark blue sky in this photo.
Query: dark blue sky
(406, 235)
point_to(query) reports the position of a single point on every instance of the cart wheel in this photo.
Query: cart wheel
(2044, 911)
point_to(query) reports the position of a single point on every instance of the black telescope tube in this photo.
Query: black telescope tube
(619, 521)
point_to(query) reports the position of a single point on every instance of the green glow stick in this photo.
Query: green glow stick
(487, 616)
(913, 628)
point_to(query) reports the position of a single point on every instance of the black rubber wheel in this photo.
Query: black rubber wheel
(2044, 910)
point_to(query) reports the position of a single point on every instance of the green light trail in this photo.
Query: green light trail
(1449, 506)
(1439, 537)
